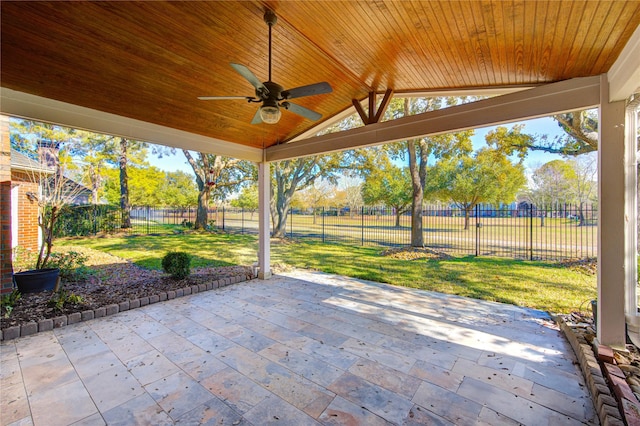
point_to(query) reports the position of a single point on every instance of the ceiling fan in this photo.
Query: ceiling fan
(272, 95)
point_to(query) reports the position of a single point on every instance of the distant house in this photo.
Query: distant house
(26, 177)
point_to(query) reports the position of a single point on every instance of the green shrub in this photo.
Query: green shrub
(8, 302)
(71, 264)
(177, 263)
(62, 297)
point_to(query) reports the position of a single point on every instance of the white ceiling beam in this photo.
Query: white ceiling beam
(553, 98)
(624, 75)
(24, 105)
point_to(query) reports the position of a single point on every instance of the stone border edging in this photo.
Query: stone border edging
(49, 324)
(604, 402)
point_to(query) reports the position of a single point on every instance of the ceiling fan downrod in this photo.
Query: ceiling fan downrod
(270, 18)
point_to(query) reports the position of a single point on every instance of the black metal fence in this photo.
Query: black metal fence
(525, 232)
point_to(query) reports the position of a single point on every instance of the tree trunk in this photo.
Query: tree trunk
(417, 239)
(581, 217)
(202, 213)
(398, 214)
(124, 185)
(466, 219)
(280, 228)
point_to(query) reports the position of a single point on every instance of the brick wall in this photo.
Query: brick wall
(27, 211)
(6, 267)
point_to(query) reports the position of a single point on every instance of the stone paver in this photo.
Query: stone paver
(303, 348)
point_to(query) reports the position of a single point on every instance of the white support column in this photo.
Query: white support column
(631, 208)
(264, 220)
(612, 228)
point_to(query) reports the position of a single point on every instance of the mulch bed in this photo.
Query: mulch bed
(115, 280)
(414, 253)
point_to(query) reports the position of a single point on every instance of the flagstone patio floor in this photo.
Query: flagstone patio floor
(303, 348)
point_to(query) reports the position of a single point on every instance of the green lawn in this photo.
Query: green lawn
(533, 284)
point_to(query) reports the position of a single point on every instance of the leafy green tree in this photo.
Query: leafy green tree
(217, 176)
(419, 151)
(247, 199)
(389, 185)
(467, 180)
(315, 197)
(289, 176)
(145, 185)
(178, 189)
(585, 186)
(553, 183)
(350, 194)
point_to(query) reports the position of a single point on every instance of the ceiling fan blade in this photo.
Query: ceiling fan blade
(310, 90)
(251, 78)
(256, 118)
(224, 98)
(300, 110)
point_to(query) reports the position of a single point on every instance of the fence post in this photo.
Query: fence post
(148, 213)
(291, 222)
(477, 231)
(362, 222)
(323, 224)
(531, 231)
(223, 218)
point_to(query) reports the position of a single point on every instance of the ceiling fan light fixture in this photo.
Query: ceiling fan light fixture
(270, 114)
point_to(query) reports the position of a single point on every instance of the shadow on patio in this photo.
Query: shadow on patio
(302, 348)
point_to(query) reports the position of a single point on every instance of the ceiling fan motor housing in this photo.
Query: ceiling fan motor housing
(274, 94)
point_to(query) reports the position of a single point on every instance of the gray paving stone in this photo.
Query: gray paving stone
(301, 349)
(29, 328)
(45, 325)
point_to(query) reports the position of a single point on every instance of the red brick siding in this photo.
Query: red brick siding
(27, 211)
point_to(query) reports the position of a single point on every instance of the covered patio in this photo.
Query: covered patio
(309, 348)
(315, 348)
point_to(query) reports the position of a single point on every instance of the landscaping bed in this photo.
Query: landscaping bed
(111, 280)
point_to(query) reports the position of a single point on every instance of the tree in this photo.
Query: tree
(315, 196)
(553, 183)
(216, 176)
(486, 177)
(178, 189)
(247, 199)
(144, 188)
(389, 185)
(418, 152)
(47, 162)
(585, 186)
(290, 176)
(351, 194)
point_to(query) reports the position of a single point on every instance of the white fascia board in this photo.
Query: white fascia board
(32, 107)
(624, 75)
(542, 101)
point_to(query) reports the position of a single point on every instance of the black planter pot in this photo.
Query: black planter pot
(36, 280)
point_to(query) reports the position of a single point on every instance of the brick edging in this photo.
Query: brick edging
(49, 324)
(604, 402)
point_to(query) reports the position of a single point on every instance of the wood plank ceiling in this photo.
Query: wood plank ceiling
(151, 60)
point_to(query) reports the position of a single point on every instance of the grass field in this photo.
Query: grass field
(524, 283)
(518, 237)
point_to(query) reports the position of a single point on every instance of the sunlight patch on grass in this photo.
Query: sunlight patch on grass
(524, 283)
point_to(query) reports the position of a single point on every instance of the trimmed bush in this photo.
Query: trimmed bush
(177, 264)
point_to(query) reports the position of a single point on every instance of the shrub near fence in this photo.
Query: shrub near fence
(530, 232)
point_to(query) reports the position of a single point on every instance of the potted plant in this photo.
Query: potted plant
(55, 191)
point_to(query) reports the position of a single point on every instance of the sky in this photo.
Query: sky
(538, 126)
